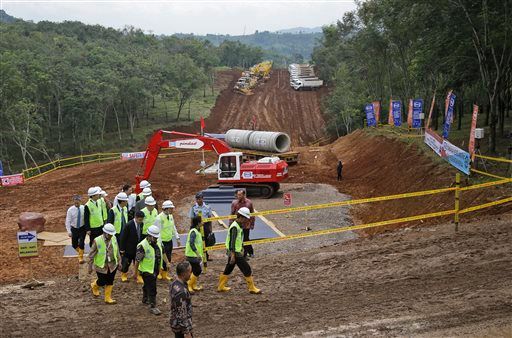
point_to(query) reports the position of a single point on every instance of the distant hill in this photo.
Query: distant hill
(6, 18)
(300, 30)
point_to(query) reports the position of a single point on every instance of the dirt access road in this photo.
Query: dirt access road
(422, 281)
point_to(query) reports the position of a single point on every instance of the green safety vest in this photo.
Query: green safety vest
(140, 196)
(95, 215)
(103, 206)
(101, 255)
(199, 244)
(166, 227)
(239, 237)
(149, 219)
(123, 213)
(148, 262)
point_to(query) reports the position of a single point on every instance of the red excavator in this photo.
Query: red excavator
(260, 178)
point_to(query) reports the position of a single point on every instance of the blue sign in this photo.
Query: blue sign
(27, 237)
(397, 113)
(370, 115)
(1, 169)
(449, 115)
(417, 109)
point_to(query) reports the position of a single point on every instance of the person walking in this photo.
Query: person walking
(104, 255)
(93, 217)
(128, 190)
(339, 169)
(234, 242)
(149, 260)
(141, 204)
(194, 253)
(201, 209)
(143, 185)
(104, 204)
(150, 214)
(130, 238)
(242, 201)
(76, 228)
(165, 222)
(118, 215)
(181, 302)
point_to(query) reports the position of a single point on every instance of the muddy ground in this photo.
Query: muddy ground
(425, 281)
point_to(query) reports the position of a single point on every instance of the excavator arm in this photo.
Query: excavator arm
(186, 141)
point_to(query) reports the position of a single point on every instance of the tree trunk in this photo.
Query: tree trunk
(486, 114)
(189, 109)
(59, 121)
(117, 122)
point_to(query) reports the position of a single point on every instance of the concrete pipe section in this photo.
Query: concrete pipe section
(276, 142)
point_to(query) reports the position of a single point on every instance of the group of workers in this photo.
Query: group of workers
(131, 230)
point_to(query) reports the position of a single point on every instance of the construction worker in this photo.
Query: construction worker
(240, 202)
(104, 255)
(93, 217)
(150, 214)
(181, 302)
(76, 228)
(200, 208)
(140, 203)
(339, 170)
(105, 205)
(128, 190)
(118, 215)
(194, 253)
(148, 261)
(165, 222)
(143, 185)
(131, 236)
(234, 247)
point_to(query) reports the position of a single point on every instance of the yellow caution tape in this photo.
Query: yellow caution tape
(337, 204)
(485, 205)
(487, 184)
(487, 174)
(499, 159)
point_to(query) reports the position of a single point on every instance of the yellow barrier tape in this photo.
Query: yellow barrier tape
(337, 230)
(485, 205)
(499, 159)
(487, 174)
(487, 184)
(337, 204)
(41, 174)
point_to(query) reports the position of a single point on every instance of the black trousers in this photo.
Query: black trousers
(207, 229)
(126, 261)
(247, 248)
(168, 252)
(106, 278)
(95, 232)
(78, 237)
(196, 265)
(149, 288)
(339, 176)
(242, 264)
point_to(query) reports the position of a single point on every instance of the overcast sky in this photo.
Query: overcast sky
(193, 16)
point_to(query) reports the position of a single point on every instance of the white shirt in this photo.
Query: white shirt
(157, 223)
(72, 217)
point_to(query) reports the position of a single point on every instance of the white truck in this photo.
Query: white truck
(306, 83)
(302, 77)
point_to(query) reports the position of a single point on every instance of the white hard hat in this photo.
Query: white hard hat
(167, 204)
(93, 191)
(154, 231)
(244, 211)
(149, 200)
(103, 193)
(122, 196)
(146, 192)
(109, 229)
(144, 184)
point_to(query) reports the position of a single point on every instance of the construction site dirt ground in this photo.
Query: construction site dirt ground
(426, 281)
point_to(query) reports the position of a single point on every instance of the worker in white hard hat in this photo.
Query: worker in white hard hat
(105, 258)
(165, 222)
(128, 190)
(148, 261)
(104, 203)
(150, 214)
(235, 252)
(143, 184)
(118, 215)
(93, 217)
(140, 203)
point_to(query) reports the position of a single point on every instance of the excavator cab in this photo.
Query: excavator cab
(229, 166)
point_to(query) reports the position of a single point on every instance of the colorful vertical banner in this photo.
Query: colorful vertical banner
(471, 146)
(430, 112)
(417, 109)
(390, 115)
(409, 114)
(376, 111)
(370, 115)
(397, 113)
(450, 106)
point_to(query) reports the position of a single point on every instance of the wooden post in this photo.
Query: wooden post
(457, 201)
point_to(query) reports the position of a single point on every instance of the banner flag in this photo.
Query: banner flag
(370, 115)
(417, 109)
(397, 113)
(471, 146)
(450, 105)
(376, 111)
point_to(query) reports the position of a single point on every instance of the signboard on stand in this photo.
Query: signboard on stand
(27, 244)
(10, 180)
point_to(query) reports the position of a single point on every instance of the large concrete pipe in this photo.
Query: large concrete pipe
(276, 142)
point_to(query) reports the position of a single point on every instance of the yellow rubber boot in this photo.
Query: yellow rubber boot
(223, 280)
(160, 274)
(80, 256)
(124, 277)
(108, 294)
(139, 278)
(95, 289)
(190, 283)
(194, 284)
(165, 275)
(250, 284)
